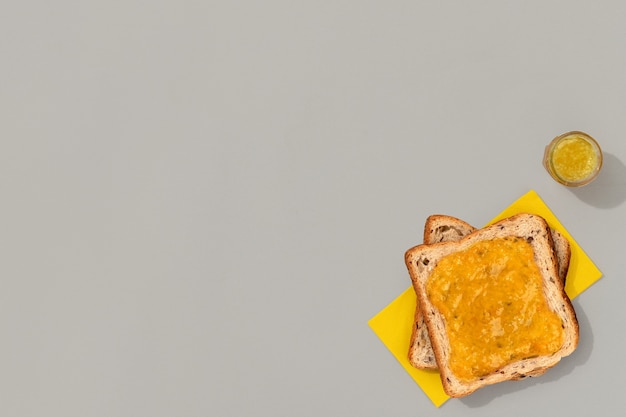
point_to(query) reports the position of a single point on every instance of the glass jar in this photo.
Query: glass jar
(573, 159)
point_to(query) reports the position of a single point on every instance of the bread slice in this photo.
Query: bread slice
(563, 252)
(438, 228)
(422, 259)
(442, 228)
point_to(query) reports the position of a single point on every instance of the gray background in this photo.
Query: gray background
(204, 202)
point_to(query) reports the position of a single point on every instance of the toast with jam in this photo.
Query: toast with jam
(443, 228)
(493, 301)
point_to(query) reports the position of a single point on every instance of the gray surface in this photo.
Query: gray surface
(204, 202)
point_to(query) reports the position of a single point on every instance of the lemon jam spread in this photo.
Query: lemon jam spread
(574, 158)
(492, 299)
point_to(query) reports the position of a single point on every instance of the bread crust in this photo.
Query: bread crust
(422, 259)
(563, 252)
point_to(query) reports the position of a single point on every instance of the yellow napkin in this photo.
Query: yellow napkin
(394, 323)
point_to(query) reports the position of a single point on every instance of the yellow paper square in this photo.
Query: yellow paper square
(394, 323)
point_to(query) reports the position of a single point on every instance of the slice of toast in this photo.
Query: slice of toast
(442, 228)
(422, 259)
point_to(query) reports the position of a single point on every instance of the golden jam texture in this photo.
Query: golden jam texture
(574, 158)
(492, 299)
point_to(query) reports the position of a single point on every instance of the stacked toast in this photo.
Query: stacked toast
(471, 346)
